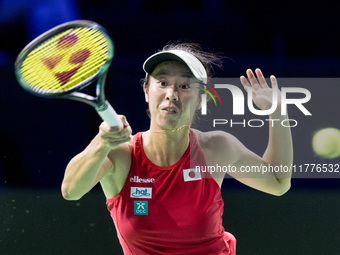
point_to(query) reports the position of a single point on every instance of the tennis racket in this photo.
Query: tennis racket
(66, 59)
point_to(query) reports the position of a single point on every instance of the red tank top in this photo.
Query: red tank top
(170, 210)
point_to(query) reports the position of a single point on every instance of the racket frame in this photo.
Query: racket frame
(99, 102)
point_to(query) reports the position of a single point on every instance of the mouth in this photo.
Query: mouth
(170, 110)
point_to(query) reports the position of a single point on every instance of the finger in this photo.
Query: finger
(108, 131)
(261, 78)
(273, 81)
(252, 79)
(114, 143)
(104, 127)
(244, 82)
(118, 140)
(115, 140)
(124, 121)
(127, 130)
(121, 134)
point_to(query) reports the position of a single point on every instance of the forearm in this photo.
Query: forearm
(82, 171)
(279, 151)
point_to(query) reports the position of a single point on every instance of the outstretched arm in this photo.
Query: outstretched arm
(87, 168)
(279, 151)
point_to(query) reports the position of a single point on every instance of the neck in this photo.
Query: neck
(166, 147)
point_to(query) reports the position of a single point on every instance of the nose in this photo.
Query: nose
(172, 95)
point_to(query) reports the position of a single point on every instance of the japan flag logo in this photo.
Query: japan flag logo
(191, 174)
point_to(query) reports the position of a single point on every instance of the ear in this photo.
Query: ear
(146, 94)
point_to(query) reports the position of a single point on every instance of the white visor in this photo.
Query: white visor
(190, 60)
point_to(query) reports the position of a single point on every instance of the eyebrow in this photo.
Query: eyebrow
(165, 73)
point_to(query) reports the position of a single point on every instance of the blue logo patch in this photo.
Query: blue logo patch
(139, 192)
(140, 207)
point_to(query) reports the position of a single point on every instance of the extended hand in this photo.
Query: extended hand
(112, 137)
(261, 92)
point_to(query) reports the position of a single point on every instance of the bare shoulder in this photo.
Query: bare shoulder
(219, 148)
(217, 144)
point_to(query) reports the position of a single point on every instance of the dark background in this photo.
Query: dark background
(296, 39)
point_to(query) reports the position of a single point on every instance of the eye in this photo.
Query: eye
(162, 83)
(185, 86)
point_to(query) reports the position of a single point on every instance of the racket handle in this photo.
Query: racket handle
(109, 115)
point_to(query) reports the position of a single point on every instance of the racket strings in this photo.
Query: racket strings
(33, 72)
(65, 60)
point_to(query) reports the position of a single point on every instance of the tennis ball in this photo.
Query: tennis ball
(326, 143)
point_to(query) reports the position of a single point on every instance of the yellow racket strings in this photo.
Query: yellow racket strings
(65, 60)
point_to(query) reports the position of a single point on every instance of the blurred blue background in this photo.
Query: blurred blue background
(38, 137)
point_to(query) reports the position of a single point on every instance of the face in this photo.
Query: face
(172, 99)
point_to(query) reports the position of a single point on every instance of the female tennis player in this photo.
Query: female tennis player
(158, 202)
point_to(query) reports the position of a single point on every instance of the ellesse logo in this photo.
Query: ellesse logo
(137, 179)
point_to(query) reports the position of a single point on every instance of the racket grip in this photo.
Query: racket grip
(109, 115)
